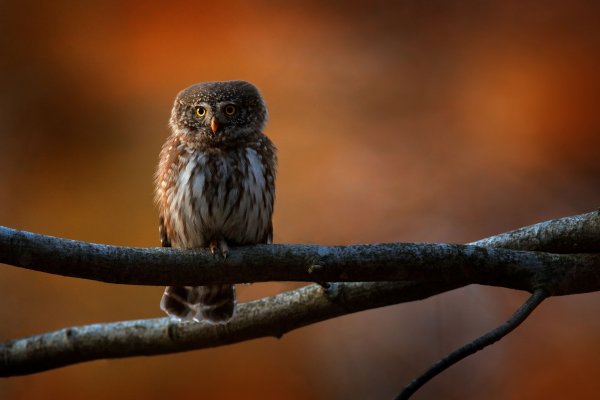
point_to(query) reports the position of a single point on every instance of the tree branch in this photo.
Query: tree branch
(272, 316)
(573, 234)
(478, 344)
(417, 271)
(458, 264)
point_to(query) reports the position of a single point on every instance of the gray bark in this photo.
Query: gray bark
(407, 271)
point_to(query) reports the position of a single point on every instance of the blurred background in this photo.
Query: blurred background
(407, 121)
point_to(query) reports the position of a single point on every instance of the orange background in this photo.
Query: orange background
(419, 121)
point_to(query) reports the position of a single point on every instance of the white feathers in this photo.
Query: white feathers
(180, 204)
(221, 198)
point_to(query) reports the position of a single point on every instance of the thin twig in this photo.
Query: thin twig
(572, 234)
(478, 344)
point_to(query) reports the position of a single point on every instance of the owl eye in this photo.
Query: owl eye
(230, 109)
(201, 111)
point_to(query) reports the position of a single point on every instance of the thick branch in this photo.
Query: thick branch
(271, 316)
(454, 264)
(427, 269)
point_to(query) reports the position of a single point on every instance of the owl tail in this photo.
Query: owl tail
(214, 303)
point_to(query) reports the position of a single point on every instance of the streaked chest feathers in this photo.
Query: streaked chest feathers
(227, 196)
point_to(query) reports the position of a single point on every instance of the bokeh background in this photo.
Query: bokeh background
(438, 121)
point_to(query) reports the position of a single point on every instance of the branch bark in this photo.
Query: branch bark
(411, 271)
(273, 316)
(488, 261)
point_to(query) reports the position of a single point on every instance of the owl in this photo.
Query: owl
(215, 186)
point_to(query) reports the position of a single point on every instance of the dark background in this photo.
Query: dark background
(409, 121)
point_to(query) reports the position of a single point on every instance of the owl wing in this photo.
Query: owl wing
(268, 239)
(162, 230)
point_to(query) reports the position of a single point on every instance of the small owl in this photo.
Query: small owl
(215, 186)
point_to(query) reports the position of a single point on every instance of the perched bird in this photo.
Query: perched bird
(215, 186)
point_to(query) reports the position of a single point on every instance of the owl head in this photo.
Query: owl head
(219, 112)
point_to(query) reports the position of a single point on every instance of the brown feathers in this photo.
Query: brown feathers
(214, 186)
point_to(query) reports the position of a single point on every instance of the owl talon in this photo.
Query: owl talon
(213, 247)
(224, 248)
(220, 245)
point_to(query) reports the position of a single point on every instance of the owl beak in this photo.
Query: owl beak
(214, 125)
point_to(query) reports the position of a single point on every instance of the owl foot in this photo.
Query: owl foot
(219, 245)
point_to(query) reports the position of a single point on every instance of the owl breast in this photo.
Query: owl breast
(221, 196)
